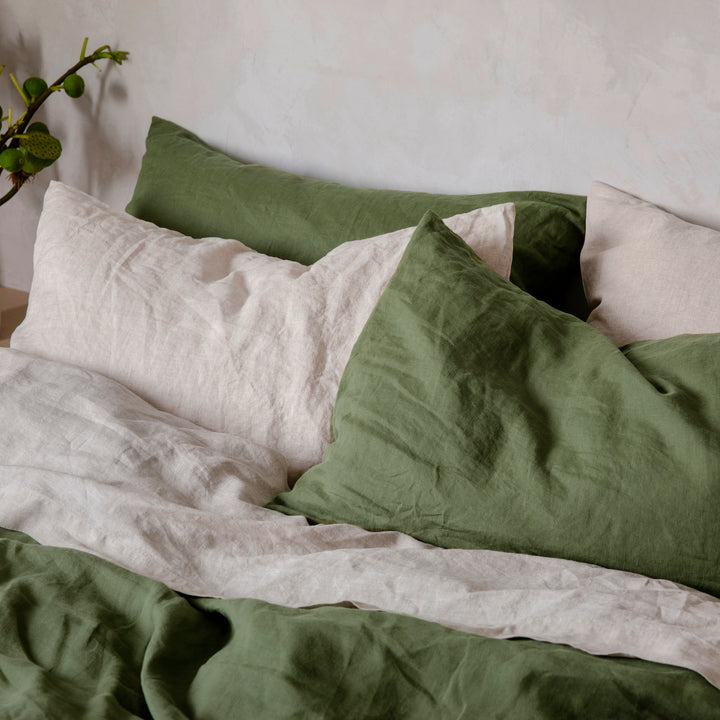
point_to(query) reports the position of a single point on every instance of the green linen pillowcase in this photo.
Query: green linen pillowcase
(185, 185)
(472, 415)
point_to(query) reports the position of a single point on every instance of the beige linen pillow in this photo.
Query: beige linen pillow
(210, 330)
(647, 273)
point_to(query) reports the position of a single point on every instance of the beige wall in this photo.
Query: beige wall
(451, 95)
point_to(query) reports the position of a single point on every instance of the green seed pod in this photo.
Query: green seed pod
(38, 126)
(74, 85)
(42, 145)
(34, 87)
(12, 160)
(33, 165)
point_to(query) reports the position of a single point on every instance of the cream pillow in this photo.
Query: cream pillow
(210, 330)
(647, 273)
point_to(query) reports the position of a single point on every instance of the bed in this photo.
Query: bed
(276, 447)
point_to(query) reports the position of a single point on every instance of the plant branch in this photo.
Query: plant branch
(9, 194)
(14, 132)
(101, 53)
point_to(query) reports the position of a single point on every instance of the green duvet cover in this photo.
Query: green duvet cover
(82, 638)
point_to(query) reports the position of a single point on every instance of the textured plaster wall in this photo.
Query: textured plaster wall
(450, 95)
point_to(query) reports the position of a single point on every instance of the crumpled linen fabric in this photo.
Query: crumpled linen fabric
(87, 464)
(209, 329)
(647, 274)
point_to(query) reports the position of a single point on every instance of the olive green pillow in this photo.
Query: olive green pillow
(472, 415)
(187, 186)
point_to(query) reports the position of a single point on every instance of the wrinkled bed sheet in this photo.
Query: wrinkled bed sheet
(86, 464)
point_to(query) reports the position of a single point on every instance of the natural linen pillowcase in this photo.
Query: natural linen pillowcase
(647, 273)
(208, 329)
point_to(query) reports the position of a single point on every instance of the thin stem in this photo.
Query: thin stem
(10, 194)
(25, 98)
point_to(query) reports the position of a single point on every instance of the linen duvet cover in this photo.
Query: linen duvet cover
(164, 515)
(463, 502)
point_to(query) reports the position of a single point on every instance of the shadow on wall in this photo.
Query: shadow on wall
(105, 156)
(22, 56)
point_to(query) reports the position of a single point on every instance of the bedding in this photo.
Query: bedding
(187, 186)
(152, 566)
(209, 329)
(647, 273)
(192, 600)
(88, 639)
(472, 415)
